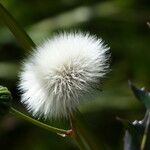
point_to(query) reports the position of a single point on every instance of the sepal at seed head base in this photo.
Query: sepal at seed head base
(5, 100)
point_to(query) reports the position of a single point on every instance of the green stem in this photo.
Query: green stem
(77, 135)
(40, 124)
(144, 139)
(77, 138)
(21, 36)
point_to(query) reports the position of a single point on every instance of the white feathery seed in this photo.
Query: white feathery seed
(60, 72)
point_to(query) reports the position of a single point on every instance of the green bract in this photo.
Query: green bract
(5, 100)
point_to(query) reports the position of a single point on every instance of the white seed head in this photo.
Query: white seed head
(60, 72)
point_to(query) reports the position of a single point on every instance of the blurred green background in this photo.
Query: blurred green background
(122, 24)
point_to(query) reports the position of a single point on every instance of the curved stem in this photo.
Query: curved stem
(61, 132)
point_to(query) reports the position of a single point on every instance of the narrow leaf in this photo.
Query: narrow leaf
(134, 134)
(141, 94)
(21, 36)
(133, 137)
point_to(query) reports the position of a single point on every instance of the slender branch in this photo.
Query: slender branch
(61, 132)
(21, 36)
(75, 134)
(144, 139)
(78, 136)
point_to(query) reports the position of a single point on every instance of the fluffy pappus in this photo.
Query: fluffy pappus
(60, 72)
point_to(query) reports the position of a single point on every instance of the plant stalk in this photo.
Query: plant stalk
(22, 37)
(61, 132)
(78, 136)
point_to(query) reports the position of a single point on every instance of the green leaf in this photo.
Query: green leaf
(134, 134)
(141, 94)
(5, 100)
(133, 137)
(21, 36)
